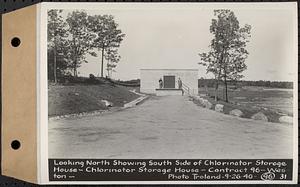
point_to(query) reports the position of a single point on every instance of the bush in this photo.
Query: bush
(92, 80)
(92, 76)
(80, 80)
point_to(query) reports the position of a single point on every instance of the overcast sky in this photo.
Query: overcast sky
(172, 37)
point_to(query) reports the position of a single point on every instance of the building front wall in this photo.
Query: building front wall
(150, 78)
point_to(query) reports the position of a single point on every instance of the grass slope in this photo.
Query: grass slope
(77, 98)
(274, 103)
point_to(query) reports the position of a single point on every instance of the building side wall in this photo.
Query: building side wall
(150, 78)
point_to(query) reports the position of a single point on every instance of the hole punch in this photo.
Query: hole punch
(15, 42)
(15, 144)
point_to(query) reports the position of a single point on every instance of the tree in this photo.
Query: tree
(112, 57)
(56, 36)
(62, 64)
(227, 55)
(212, 66)
(107, 34)
(80, 41)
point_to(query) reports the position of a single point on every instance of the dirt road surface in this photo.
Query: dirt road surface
(168, 127)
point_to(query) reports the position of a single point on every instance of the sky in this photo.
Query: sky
(172, 36)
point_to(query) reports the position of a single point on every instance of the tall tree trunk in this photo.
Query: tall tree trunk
(216, 90)
(75, 61)
(54, 64)
(217, 85)
(107, 68)
(75, 69)
(225, 81)
(219, 74)
(102, 59)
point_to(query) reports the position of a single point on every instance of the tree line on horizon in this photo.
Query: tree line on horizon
(241, 83)
(80, 34)
(210, 83)
(227, 50)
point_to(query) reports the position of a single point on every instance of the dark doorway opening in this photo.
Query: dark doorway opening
(169, 81)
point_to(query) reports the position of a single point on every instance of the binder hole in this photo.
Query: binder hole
(15, 42)
(15, 144)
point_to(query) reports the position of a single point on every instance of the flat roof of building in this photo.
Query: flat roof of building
(173, 69)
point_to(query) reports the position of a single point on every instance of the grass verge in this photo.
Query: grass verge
(248, 111)
(78, 98)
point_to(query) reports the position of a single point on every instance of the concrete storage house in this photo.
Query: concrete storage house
(150, 81)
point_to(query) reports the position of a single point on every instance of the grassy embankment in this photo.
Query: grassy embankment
(78, 98)
(274, 103)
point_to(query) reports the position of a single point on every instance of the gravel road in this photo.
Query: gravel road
(168, 127)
